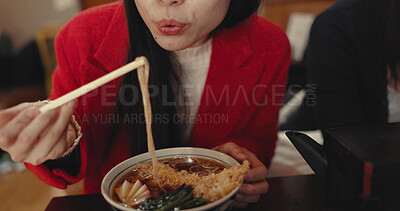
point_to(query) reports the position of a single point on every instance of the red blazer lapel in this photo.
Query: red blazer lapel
(113, 50)
(234, 72)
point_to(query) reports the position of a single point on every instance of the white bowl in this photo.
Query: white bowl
(114, 175)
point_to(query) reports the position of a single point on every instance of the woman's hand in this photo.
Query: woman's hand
(34, 137)
(255, 182)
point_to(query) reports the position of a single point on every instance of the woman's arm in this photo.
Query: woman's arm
(258, 133)
(71, 168)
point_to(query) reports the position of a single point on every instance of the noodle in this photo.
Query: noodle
(143, 76)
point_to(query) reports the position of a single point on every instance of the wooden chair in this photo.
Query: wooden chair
(45, 40)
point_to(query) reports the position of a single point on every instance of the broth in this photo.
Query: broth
(193, 165)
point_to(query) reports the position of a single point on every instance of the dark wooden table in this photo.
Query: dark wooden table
(285, 193)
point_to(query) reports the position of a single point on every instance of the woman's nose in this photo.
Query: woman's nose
(172, 2)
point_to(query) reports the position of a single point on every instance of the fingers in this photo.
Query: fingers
(48, 150)
(256, 177)
(63, 121)
(9, 132)
(258, 170)
(29, 135)
(250, 193)
(60, 126)
(28, 138)
(35, 137)
(54, 142)
(256, 174)
(254, 188)
(233, 150)
(60, 148)
(7, 114)
(252, 158)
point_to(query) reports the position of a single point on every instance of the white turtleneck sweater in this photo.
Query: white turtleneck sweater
(195, 63)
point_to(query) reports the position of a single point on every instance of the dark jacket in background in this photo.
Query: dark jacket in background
(347, 77)
(20, 70)
(5, 61)
(27, 67)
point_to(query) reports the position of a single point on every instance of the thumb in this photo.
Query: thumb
(233, 150)
(240, 156)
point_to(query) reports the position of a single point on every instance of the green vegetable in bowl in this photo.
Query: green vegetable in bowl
(181, 198)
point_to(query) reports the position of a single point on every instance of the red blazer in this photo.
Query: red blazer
(245, 86)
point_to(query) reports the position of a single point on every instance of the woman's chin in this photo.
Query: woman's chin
(174, 44)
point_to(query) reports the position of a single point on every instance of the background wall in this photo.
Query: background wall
(20, 19)
(279, 11)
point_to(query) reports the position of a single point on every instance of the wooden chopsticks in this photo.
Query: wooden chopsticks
(140, 62)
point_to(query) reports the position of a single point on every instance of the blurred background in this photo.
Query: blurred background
(27, 59)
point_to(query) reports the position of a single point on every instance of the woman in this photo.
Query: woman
(243, 57)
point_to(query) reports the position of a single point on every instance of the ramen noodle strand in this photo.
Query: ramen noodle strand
(143, 76)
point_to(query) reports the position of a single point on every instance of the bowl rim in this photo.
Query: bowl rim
(108, 181)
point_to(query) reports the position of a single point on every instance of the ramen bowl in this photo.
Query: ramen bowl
(118, 172)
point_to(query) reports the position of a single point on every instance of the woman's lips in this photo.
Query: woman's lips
(170, 27)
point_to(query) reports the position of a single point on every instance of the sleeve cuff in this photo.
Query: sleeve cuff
(79, 135)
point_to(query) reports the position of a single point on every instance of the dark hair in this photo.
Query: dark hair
(392, 37)
(162, 76)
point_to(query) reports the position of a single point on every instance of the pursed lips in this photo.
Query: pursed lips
(170, 27)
